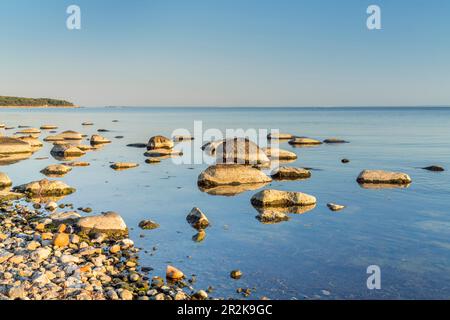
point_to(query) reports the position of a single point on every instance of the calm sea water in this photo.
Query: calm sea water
(406, 232)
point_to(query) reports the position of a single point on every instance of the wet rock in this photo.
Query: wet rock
(152, 160)
(56, 169)
(13, 146)
(345, 160)
(236, 274)
(5, 181)
(334, 140)
(87, 123)
(304, 141)
(291, 173)
(279, 136)
(434, 168)
(383, 177)
(45, 188)
(51, 206)
(239, 151)
(68, 135)
(108, 223)
(231, 174)
(279, 154)
(159, 142)
(174, 273)
(29, 131)
(66, 150)
(148, 225)
(335, 207)
(200, 295)
(268, 216)
(200, 236)
(77, 164)
(232, 190)
(277, 198)
(98, 139)
(124, 165)
(137, 145)
(5, 255)
(197, 219)
(182, 138)
(156, 153)
(32, 141)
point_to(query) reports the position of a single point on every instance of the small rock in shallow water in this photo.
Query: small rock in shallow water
(148, 225)
(197, 219)
(277, 198)
(236, 274)
(174, 273)
(345, 161)
(434, 168)
(335, 207)
(383, 177)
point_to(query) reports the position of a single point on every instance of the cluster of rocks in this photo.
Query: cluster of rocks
(43, 257)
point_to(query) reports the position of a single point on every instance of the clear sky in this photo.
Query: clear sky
(227, 52)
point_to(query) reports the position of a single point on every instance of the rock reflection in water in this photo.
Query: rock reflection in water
(232, 190)
(272, 215)
(383, 186)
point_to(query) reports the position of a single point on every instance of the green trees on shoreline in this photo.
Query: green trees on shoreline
(30, 102)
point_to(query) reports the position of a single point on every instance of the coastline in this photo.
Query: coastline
(39, 107)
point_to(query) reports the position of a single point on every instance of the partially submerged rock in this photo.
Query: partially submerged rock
(108, 223)
(137, 145)
(291, 173)
(45, 188)
(232, 190)
(239, 151)
(66, 150)
(182, 138)
(13, 146)
(383, 177)
(272, 216)
(334, 140)
(304, 141)
(30, 131)
(67, 217)
(335, 207)
(174, 273)
(279, 136)
(6, 195)
(124, 165)
(434, 168)
(159, 142)
(56, 169)
(77, 164)
(98, 139)
(197, 219)
(68, 135)
(156, 153)
(279, 154)
(277, 198)
(148, 225)
(231, 174)
(49, 127)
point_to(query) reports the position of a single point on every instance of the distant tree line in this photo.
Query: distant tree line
(39, 102)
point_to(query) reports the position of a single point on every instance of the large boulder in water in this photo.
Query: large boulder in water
(98, 139)
(108, 223)
(239, 151)
(231, 174)
(45, 188)
(159, 142)
(66, 150)
(277, 198)
(291, 173)
(13, 146)
(383, 177)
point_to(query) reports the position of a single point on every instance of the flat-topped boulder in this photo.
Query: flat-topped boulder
(77, 164)
(159, 142)
(29, 131)
(280, 154)
(5, 181)
(291, 173)
(68, 135)
(98, 139)
(56, 169)
(124, 165)
(277, 198)
(66, 150)
(13, 146)
(231, 174)
(67, 217)
(108, 223)
(279, 136)
(304, 141)
(239, 151)
(48, 127)
(45, 188)
(383, 177)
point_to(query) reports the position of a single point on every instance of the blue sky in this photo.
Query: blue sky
(227, 52)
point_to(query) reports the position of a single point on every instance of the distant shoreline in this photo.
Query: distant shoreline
(38, 107)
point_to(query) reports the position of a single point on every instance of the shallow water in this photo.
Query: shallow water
(404, 231)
